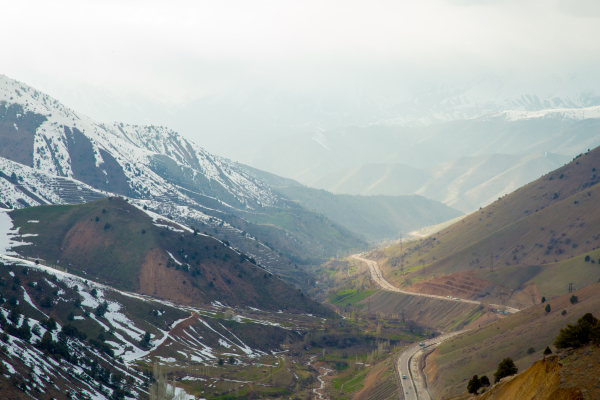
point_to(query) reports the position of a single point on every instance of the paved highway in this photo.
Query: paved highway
(413, 388)
(384, 284)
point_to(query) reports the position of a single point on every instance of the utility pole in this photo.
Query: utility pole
(400, 243)
(570, 287)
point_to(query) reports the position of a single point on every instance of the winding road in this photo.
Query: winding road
(377, 276)
(413, 388)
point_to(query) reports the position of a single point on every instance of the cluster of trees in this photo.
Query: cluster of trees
(586, 330)
(506, 368)
(477, 383)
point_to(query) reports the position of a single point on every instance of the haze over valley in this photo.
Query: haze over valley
(249, 200)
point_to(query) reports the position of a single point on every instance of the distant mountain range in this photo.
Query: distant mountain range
(465, 163)
(236, 122)
(465, 184)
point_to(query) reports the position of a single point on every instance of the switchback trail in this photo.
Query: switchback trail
(377, 276)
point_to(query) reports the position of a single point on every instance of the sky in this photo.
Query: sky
(175, 52)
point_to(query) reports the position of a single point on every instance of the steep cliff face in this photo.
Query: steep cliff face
(569, 376)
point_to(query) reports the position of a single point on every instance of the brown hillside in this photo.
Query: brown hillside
(570, 376)
(113, 242)
(479, 350)
(540, 381)
(551, 220)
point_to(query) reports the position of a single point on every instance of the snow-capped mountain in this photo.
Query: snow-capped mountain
(50, 154)
(123, 159)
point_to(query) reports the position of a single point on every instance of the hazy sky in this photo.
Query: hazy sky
(178, 50)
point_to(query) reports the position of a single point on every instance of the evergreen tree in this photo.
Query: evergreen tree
(474, 385)
(484, 381)
(506, 368)
(587, 329)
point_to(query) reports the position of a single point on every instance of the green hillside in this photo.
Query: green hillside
(116, 243)
(373, 217)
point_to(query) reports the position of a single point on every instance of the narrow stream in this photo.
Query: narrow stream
(323, 372)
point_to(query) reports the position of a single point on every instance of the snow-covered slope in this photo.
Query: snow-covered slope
(560, 113)
(116, 157)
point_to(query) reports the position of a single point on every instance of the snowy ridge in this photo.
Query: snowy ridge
(132, 146)
(561, 113)
(36, 187)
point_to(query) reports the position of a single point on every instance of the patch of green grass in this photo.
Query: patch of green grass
(343, 298)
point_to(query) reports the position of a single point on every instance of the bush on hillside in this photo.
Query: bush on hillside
(586, 330)
(573, 299)
(547, 351)
(484, 380)
(506, 368)
(474, 385)
(101, 309)
(48, 323)
(530, 350)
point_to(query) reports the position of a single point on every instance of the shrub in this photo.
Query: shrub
(573, 299)
(94, 293)
(71, 316)
(530, 350)
(548, 308)
(145, 340)
(587, 258)
(587, 329)
(48, 323)
(474, 385)
(101, 309)
(563, 313)
(71, 331)
(543, 299)
(103, 347)
(547, 351)
(506, 368)
(484, 381)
